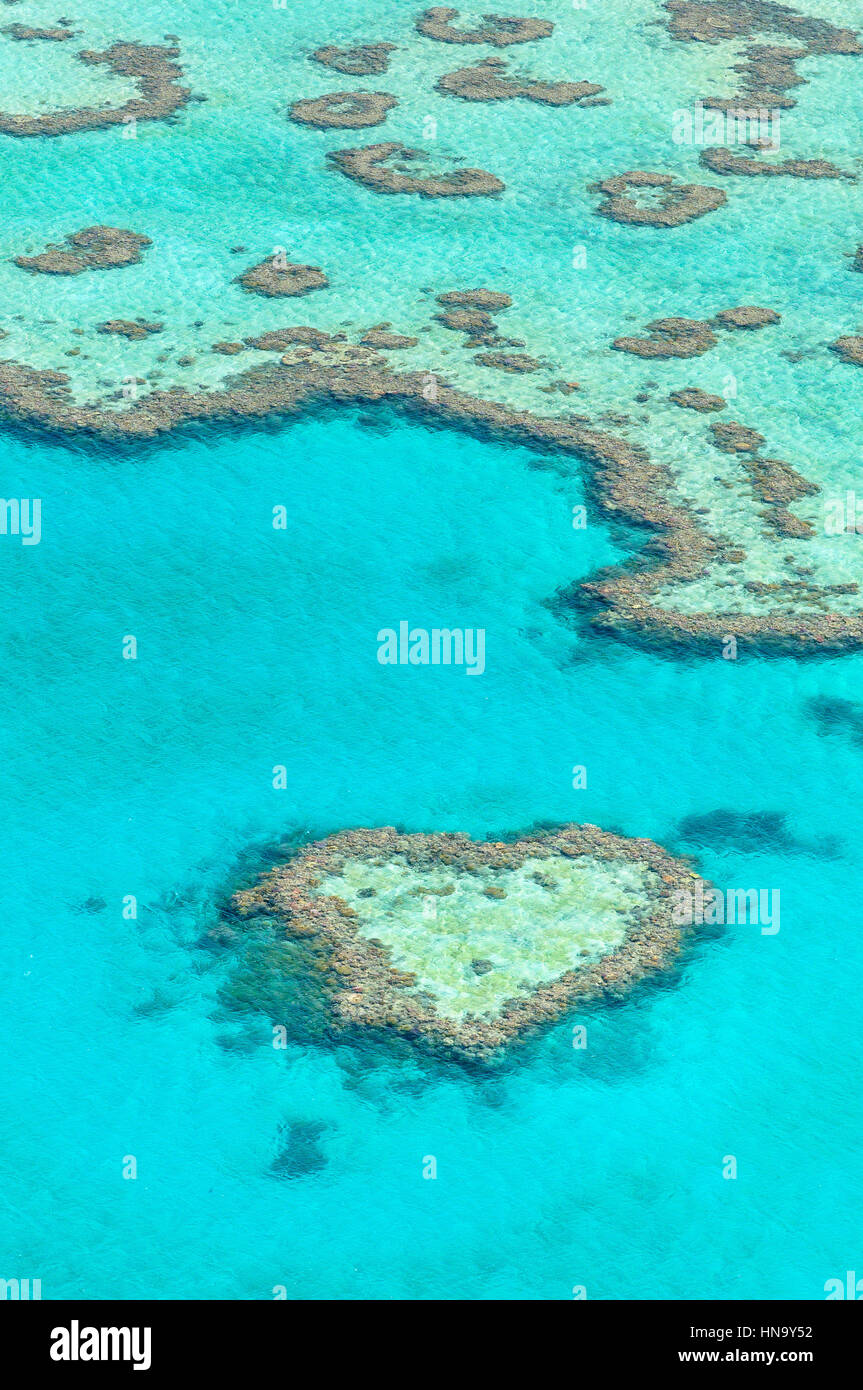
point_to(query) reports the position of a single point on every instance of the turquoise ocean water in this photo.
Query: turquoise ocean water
(257, 647)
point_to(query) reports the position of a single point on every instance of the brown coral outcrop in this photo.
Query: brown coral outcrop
(343, 110)
(130, 328)
(476, 299)
(733, 438)
(767, 71)
(477, 323)
(364, 990)
(721, 161)
(746, 316)
(363, 60)
(23, 33)
(508, 361)
(281, 339)
(387, 342)
(368, 165)
(486, 81)
(623, 601)
(93, 248)
(850, 349)
(682, 337)
(151, 67)
(499, 30)
(692, 398)
(671, 337)
(276, 277)
(677, 204)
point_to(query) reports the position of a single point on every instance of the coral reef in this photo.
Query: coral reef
(364, 60)
(850, 349)
(93, 248)
(477, 323)
(470, 312)
(692, 398)
(368, 165)
(672, 337)
(278, 277)
(385, 341)
(343, 110)
(681, 337)
(721, 161)
(734, 438)
(486, 81)
(130, 328)
(476, 299)
(150, 66)
(675, 205)
(423, 936)
(508, 361)
(746, 316)
(627, 601)
(23, 33)
(499, 30)
(773, 481)
(767, 70)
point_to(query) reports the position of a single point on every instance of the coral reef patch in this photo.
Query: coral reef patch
(343, 110)
(23, 33)
(276, 277)
(364, 60)
(157, 78)
(634, 601)
(667, 204)
(424, 936)
(131, 329)
(499, 30)
(767, 71)
(692, 398)
(487, 81)
(671, 337)
(721, 161)
(93, 248)
(682, 337)
(850, 349)
(368, 165)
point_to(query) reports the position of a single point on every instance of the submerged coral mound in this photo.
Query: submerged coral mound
(682, 337)
(132, 329)
(767, 71)
(343, 110)
(93, 248)
(151, 68)
(487, 81)
(722, 161)
(463, 945)
(277, 277)
(368, 165)
(850, 349)
(499, 30)
(671, 337)
(693, 398)
(24, 33)
(660, 201)
(365, 60)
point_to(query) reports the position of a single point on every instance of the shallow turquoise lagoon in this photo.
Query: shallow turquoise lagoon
(257, 647)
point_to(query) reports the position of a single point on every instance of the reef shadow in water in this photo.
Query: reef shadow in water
(299, 1154)
(752, 832)
(834, 715)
